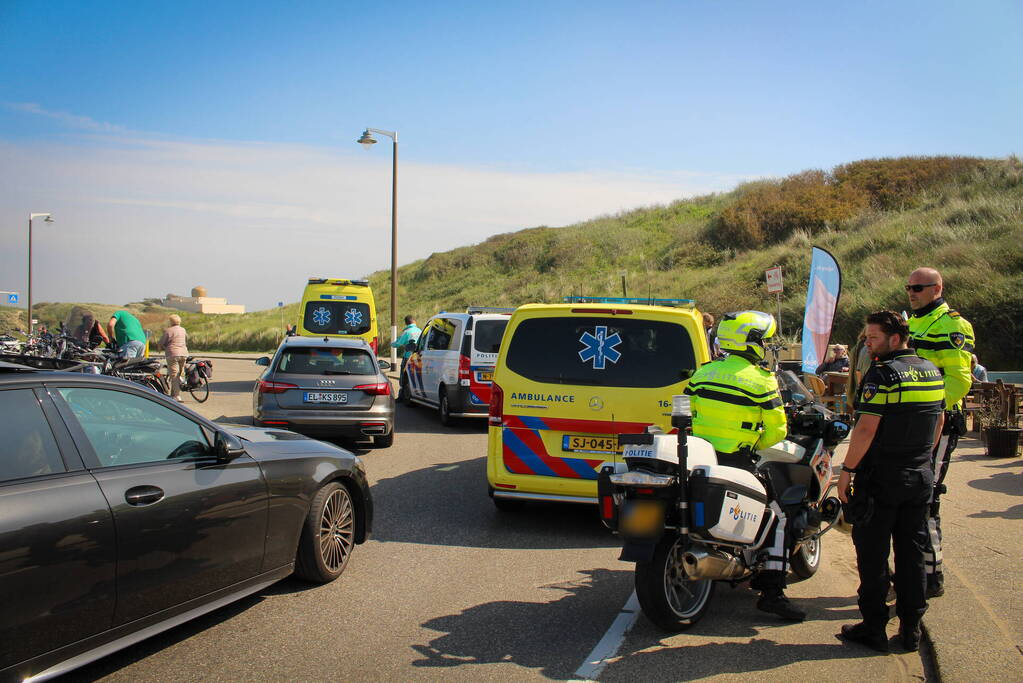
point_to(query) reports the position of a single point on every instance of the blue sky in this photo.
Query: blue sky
(229, 119)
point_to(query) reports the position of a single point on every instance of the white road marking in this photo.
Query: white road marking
(612, 640)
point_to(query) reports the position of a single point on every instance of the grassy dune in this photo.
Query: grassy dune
(880, 218)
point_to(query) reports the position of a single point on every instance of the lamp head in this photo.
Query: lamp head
(366, 140)
(48, 219)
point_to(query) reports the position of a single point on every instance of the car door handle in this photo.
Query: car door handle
(143, 495)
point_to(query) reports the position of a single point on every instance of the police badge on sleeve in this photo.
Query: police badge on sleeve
(869, 391)
(957, 339)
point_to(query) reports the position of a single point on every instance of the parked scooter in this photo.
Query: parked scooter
(688, 522)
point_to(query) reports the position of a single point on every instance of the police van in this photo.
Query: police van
(453, 363)
(570, 377)
(337, 307)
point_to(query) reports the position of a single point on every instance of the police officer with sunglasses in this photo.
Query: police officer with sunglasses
(942, 336)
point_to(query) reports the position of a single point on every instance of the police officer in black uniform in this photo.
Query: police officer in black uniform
(900, 403)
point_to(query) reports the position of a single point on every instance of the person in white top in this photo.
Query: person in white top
(173, 344)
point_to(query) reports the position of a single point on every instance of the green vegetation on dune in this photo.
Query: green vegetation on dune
(880, 218)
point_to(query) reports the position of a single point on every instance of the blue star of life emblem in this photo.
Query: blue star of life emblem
(600, 347)
(353, 317)
(321, 316)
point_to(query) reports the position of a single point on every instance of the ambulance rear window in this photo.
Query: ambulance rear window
(612, 351)
(336, 317)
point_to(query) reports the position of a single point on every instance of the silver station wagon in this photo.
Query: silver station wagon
(326, 387)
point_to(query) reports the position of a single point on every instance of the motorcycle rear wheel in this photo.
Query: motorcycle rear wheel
(668, 597)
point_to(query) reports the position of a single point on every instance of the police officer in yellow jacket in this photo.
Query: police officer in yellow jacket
(737, 408)
(945, 338)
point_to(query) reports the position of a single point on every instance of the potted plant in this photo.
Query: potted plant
(1000, 430)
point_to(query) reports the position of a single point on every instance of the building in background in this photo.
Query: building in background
(200, 303)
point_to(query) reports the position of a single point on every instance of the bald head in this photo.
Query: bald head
(930, 284)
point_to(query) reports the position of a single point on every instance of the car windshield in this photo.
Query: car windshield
(487, 335)
(591, 351)
(336, 317)
(326, 361)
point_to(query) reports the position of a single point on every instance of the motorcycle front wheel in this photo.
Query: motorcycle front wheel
(668, 597)
(806, 559)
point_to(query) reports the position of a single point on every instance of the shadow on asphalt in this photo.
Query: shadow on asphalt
(237, 387)
(118, 660)
(418, 419)
(552, 637)
(448, 505)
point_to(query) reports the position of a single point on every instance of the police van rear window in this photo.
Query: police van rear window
(336, 317)
(595, 351)
(487, 335)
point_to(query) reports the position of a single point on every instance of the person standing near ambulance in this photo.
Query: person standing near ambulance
(942, 336)
(738, 409)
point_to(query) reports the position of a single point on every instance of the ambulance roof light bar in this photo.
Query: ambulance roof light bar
(337, 281)
(674, 303)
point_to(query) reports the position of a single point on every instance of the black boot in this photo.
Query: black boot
(774, 601)
(864, 635)
(935, 585)
(910, 636)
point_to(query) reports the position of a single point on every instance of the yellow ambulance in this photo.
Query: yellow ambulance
(570, 377)
(336, 307)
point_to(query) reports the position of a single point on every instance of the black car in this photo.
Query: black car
(123, 514)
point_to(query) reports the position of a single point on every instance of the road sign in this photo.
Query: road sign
(12, 297)
(280, 303)
(774, 283)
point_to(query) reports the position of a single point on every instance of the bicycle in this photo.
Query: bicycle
(195, 379)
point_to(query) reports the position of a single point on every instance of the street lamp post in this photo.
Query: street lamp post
(48, 219)
(367, 141)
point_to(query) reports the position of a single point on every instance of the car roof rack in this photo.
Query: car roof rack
(645, 301)
(488, 309)
(337, 281)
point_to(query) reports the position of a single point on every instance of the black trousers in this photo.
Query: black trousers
(901, 500)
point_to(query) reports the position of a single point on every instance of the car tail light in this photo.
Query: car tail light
(283, 423)
(464, 371)
(496, 415)
(267, 387)
(378, 389)
(373, 344)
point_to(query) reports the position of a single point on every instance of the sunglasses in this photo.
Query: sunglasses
(919, 288)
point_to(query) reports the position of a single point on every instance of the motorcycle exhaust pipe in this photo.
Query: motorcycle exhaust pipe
(701, 563)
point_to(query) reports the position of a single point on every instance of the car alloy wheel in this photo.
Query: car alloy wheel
(337, 530)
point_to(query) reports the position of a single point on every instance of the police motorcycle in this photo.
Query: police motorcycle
(688, 522)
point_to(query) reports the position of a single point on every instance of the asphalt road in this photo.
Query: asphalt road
(450, 589)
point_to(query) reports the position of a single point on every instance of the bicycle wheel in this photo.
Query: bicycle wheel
(201, 392)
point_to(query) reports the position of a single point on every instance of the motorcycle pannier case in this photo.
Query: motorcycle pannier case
(727, 504)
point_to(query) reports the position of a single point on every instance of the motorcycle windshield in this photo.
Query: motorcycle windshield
(792, 389)
(79, 322)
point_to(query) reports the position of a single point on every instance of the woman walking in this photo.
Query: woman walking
(173, 344)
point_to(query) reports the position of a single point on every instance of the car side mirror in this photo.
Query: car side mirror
(227, 447)
(264, 361)
(384, 364)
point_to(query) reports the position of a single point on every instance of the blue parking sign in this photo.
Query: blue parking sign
(12, 298)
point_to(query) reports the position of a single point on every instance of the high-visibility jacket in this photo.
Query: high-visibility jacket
(736, 404)
(907, 393)
(945, 338)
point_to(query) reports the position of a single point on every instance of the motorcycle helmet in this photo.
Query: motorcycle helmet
(745, 332)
